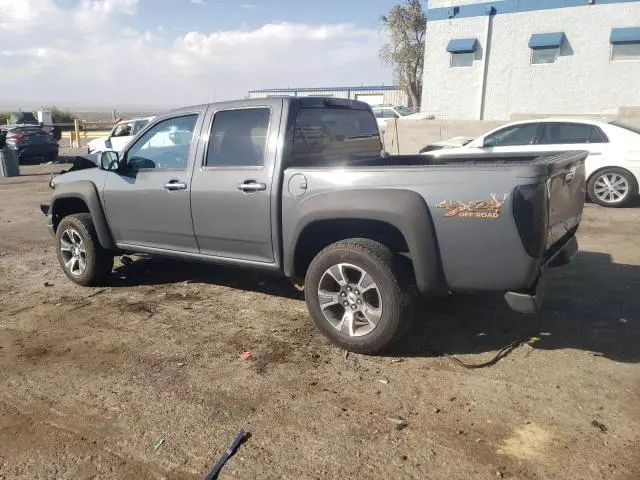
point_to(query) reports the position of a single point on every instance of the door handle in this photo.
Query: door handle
(250, 186)
(175, 184)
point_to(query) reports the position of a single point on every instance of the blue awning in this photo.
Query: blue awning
(625, 35)
(546, 40)
(462, 45)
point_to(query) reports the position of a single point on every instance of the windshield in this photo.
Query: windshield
(626, 126)
(404, 111)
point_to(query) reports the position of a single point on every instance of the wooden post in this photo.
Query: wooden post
(76, 125)
(391, 137)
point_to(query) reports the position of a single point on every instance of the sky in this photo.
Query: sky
(116, 53)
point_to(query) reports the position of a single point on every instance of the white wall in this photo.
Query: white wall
(582, 81)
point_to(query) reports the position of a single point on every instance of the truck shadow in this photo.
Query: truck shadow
(159, 271)
(591, 304)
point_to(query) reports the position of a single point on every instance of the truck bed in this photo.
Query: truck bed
(493, 219)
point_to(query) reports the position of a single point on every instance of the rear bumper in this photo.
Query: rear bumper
(529, 301)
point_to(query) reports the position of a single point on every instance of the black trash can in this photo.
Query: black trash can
(9, 166)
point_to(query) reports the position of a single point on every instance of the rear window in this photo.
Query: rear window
(626, 126)
(326, 134)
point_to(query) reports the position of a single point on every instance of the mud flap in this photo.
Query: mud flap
(527, 301)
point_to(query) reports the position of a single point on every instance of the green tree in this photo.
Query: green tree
(406, 26)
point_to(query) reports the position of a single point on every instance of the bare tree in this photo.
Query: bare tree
(406, 26)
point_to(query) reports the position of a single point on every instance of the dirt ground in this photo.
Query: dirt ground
(91, 379)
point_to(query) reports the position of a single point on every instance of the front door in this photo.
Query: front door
(147, 204)
(231, 196)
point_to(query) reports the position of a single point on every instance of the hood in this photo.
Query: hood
(80, 163)
(94, 175)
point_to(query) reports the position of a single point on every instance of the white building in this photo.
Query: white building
(494, 60)
(373, 95)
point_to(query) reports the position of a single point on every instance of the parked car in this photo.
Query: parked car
(298, 186)
(31, 143)
(613, 164)
(120, 136)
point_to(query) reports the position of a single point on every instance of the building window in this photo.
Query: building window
(463, 52)
(544, 55)
(625, 51)
(625, 44)
(462, 59)
(545, 47)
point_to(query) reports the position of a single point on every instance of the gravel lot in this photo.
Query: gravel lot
(92, 379)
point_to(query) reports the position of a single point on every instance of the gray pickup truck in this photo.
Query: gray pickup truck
(301, 186)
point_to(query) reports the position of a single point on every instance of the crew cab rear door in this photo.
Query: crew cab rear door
(231, 194)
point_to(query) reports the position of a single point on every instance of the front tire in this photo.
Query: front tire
(355, 297)
(79, 252)
(612, 187)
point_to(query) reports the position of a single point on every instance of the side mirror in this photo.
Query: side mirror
(109, 161)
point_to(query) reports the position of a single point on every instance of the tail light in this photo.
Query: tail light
(16, 137)
(530, 210)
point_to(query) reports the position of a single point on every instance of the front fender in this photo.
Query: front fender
(86, 191)
(405, 210)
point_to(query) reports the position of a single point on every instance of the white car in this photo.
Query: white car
(119, 137)
(387, 112)
(613, 164)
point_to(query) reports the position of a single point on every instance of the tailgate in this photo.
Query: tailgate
(566, 194)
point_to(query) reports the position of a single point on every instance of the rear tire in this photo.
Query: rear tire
(367, 311)
(612, 187)
(80, 254)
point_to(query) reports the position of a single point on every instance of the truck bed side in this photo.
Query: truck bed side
(467, 237)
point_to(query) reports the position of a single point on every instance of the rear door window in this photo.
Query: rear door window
(326, 133)
(565, 133)
(596, 135)
(238, 138)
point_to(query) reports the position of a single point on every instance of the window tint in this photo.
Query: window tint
(514, 135)
(561, 133)
(238, 138)
(625, 51)
(326, 133)
(462, 59)
(544, 55)
(165, 145)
